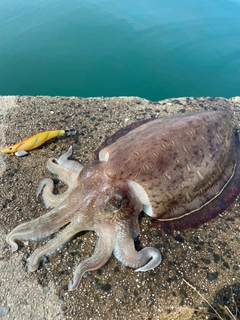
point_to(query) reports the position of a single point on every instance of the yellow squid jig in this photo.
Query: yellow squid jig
(20, 149)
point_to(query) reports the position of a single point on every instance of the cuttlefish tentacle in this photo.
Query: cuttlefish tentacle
(41, 227)
(67, 171)
(102, 253)
(52, 245)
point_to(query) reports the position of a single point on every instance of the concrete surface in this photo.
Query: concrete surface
(207, 257)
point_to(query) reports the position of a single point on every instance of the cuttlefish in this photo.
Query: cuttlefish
(180, 170)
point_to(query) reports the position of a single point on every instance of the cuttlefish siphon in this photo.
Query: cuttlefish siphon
(180, 170)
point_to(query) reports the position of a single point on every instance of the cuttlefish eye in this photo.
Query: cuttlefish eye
(116, 202)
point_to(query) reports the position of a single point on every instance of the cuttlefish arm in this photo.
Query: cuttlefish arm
(146, 259)
(39, 228)
(121, 244)
(50, 222)
(52, 245)
(102, 253)
(124, 250)
(67, 171)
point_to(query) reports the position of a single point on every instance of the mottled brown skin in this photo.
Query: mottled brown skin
(209, 211)
(182, 163)
(181, 170)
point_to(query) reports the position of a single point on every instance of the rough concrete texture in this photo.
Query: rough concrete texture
(207, 257)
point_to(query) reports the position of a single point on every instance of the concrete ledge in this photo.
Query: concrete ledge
(207, 257)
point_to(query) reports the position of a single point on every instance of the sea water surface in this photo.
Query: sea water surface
(154, 49)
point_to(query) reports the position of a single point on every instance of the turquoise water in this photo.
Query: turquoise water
(153, 48)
